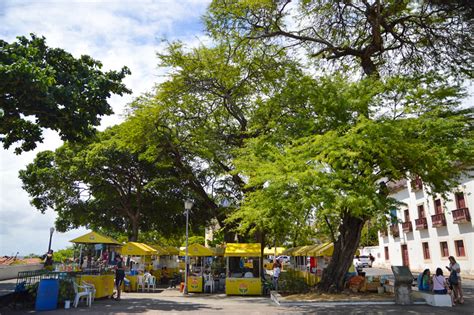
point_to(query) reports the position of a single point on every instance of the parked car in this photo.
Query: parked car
(363, 261)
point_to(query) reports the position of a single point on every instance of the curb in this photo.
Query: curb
(277, 299)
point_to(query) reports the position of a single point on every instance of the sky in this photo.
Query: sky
(118, 33)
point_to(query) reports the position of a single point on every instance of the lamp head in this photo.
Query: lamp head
(188, 204)
(51, 230)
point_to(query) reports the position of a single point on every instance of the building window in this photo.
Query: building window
(444, 249)
(460, 202)
(421, 211)
(386, 253)
(426, 250)
(407, 215)
(459, 245)
(438, 207)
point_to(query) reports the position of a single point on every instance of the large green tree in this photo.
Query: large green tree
(422, 40)
(197, 118)
(104, 185)
(374, 35)
(43, 87)
(341, 174)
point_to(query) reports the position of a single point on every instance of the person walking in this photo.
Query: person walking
(119, 275)
(455, 280)
(276, 273)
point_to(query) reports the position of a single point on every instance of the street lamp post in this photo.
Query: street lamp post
(188, 204)
(51, 231)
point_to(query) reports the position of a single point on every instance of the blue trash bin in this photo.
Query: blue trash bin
(47, 295)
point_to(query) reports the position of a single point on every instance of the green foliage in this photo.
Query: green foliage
(66, 291)
(378, 37)
(43, 87)
(194, 240)
(369, 235)
(291, 282)
(63, 255)
(104, 185)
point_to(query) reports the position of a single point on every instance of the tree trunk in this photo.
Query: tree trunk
(133, 236)
(344, 250)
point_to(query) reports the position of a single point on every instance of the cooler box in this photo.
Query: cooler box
(47, 295)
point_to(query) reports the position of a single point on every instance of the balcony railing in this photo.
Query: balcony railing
(383, 232)
(438, 220)
(407, 227)
(421, 224)
(461, 215)
(416, 184)
(395, 230)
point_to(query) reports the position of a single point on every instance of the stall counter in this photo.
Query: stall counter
(243, 286)
(195, 284)
(104, 284)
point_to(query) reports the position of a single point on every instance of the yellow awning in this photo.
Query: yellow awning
(271, 251)
(196, 250)
(171, 250)
(291, 251)
(137, 249)
(243, 250)
(94, 238)
(160, 251)
(325, 249)
(304, 250)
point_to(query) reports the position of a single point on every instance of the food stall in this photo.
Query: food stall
(307, 263)
(274, 252)
(243, 269)
(322, 254)
(197, 266)
(102, 279)
(135, 249)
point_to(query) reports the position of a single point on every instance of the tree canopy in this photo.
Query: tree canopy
(43, 87)
(103, 184)
(389, 36)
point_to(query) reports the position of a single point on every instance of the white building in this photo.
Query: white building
(430, 229)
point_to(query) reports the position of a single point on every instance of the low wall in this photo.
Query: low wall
(11, 272)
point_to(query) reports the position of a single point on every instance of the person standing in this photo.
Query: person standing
(276, 273)
(372, 259)
(455, 280)
(119, 275)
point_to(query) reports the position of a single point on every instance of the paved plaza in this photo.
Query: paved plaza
(171, 301)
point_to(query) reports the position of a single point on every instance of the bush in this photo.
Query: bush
(291, 282)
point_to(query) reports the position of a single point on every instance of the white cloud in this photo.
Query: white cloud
(118, 33)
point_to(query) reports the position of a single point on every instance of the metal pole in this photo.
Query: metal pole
(51, 231)
(186, 257)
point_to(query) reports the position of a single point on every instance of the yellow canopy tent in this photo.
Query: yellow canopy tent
(291, 251)
(138, 249)
(303, 250)
(271, 251)
(243, 250)
(171, 250)
(325, 249)
(160, 251)
(196, 250)
(94, 238)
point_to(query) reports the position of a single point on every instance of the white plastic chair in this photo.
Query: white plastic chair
(140, 283)
(91, 288)
(151, 282)
(82, 291)
(209, 282)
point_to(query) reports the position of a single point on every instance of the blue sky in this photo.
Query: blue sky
(115, 32)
